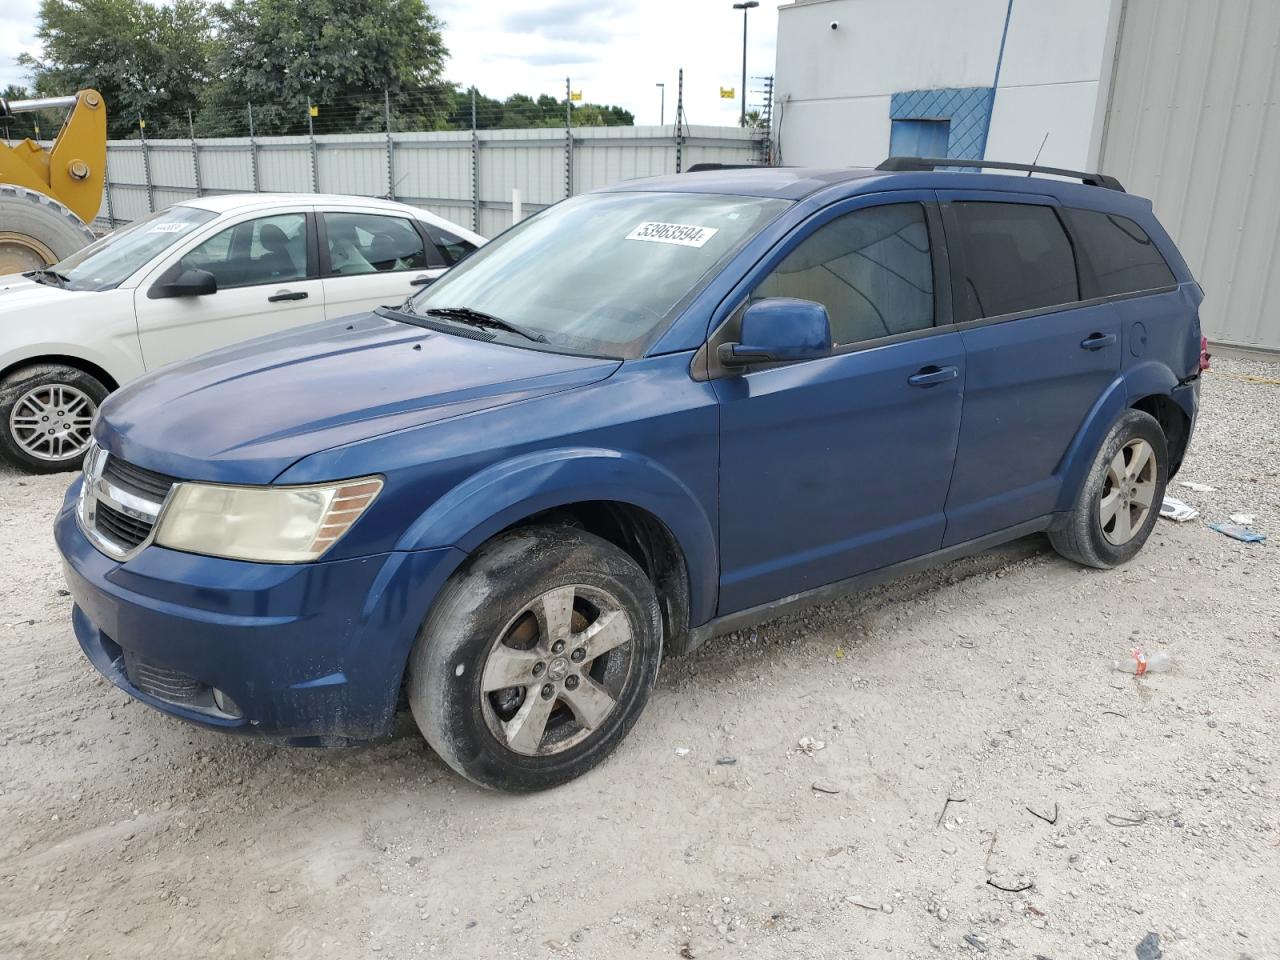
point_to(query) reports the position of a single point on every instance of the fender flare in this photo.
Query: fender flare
(1141, 380)
(507, 492)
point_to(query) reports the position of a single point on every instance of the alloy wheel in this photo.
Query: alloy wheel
(1128, 491)
(554, 674)
(51, 421)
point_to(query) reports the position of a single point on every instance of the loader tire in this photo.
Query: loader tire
(36, 230)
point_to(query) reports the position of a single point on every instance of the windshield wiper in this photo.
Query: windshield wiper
(49, 277)
(476, 318)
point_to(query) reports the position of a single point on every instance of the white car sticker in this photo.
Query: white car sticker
(168, 228)
(681, 234)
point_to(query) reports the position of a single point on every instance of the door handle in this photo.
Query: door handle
(932, 376)
(420, 281)
(287, 295)
(1096, 341)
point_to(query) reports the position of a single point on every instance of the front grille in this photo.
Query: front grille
(120, 502)
(137, 480)
(168, 685)
(121, 529)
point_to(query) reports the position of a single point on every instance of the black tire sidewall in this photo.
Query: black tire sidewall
(20, 382)
(1134, 424)
(447, 662)
(43, 218)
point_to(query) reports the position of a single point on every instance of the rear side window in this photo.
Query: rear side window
(1123, 258)
(372, 243)
(1017, 257)
(871, 269)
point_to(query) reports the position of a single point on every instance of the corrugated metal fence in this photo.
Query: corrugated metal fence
(464, 176)
(1193, 122)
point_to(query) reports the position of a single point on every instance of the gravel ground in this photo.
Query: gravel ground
(712, 832)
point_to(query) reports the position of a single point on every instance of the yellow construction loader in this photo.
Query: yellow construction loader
(49, 196)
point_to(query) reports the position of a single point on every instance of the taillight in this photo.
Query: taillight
(1204, 353)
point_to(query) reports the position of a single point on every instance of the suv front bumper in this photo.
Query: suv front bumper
(311, 653)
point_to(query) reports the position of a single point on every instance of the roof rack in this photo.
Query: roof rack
(700, 167)
(900, 164)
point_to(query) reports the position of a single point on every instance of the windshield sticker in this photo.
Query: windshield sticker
(168, 228)
(681, 234)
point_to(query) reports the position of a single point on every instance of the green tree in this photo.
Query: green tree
(342, 54)
(34, 126)
(598, 115)
(146, 59)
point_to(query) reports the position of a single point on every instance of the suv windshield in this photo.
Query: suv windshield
(600, 273)
(113, 259)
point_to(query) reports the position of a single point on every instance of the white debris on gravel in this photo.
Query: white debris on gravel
(987, 682)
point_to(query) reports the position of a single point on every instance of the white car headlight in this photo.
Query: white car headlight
(270, 524)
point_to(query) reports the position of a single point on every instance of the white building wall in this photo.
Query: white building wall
(1049, 80)
(834, 87)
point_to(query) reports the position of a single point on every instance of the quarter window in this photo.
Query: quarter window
(266, 250)
(1123, 258)
(871, 269)
(452, 247)
(1017, 257)
(369, 243)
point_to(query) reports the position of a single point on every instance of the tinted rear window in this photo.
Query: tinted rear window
(1017, 257)
(1123, 258)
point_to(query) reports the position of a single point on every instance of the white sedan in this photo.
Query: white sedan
(199, 275)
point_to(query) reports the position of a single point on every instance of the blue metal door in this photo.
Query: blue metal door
(1033, 375)
(835, 467)
(919, 138)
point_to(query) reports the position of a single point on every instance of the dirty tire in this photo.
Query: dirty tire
(1080, 536)
(475, 610)
(17, 385)
(51, 225)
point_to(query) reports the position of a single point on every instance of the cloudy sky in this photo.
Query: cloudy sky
(615, 51)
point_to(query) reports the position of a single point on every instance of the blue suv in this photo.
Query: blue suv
(644, 417)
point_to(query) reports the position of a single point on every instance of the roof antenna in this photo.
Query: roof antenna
(1038, 152)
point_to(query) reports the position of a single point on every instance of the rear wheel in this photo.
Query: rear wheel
(537, 658)
(36, 230)
(1120, 499)
(46, 411)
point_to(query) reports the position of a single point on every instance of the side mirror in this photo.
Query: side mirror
(189, 283)
(779, 330)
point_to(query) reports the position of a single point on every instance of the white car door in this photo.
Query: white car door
(373, 259)
(266, 272)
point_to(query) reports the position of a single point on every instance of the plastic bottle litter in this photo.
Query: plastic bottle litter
(1139, 663)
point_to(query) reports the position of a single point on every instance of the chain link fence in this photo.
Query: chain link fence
(485, 175)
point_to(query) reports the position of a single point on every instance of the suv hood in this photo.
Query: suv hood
(244, 414)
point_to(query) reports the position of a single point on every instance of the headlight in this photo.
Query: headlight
(271, 524)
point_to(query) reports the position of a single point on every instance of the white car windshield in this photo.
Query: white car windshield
(110, 261)
(597, 274)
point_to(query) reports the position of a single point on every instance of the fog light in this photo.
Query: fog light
(225, 704)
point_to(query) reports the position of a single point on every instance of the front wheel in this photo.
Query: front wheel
(537, 658)
(1120, 498)
(46, 411)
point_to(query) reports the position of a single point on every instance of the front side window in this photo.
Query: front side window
(117, 256)
(871, 269)
(601, 273)
(1017, 257)
(372, 243)
(1123, 258)
(265, 250)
